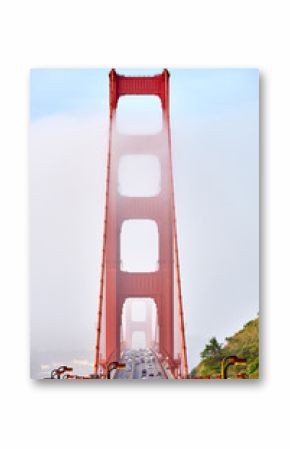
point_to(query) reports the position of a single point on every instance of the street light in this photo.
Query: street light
(56, 373)
(112, 366)
(232, 360)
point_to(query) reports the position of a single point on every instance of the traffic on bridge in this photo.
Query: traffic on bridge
(140, 364)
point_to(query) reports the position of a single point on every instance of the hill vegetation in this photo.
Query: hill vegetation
(244, 344)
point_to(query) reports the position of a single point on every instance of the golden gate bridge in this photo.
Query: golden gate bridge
(163, 286)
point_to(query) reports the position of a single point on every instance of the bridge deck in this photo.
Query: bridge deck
(140, 364)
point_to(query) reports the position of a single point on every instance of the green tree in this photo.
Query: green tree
(212, 349)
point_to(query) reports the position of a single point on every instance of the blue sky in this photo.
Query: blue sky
(65, 91)
(85, 92)
(215, 145)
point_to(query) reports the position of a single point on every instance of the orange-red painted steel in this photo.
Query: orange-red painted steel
(117, 285)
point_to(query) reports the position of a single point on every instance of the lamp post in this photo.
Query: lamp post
(112, 366)
(57, 372)
(232, 360)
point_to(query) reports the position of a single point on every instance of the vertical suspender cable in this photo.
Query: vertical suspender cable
(102, 275)
(177, 268)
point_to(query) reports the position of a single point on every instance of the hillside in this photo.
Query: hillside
(244, 343)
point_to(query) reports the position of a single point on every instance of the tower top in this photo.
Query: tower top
(139, 85)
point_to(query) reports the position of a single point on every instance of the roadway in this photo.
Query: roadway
(140, 364)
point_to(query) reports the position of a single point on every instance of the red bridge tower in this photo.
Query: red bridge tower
(163, 285)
